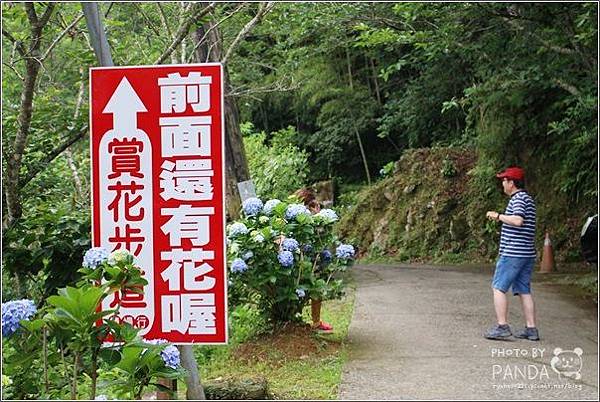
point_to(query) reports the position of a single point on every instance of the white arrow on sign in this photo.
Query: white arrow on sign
(124, 104)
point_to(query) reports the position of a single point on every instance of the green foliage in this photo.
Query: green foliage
(387, 170)
(278, 168)
(50, 238)
(448, 169)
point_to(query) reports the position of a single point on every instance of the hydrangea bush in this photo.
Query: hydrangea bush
(70, 325)
(281, 256)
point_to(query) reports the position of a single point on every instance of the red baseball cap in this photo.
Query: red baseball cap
(513, 172)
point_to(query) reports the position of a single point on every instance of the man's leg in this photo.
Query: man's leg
(501, 307)
(528, 309)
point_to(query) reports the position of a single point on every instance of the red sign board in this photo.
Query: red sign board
(157, 150)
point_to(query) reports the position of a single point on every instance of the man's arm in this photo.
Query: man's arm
(513, 220)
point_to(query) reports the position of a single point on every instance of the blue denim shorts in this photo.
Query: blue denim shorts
(515, 272)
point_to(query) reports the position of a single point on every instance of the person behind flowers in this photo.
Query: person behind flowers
(308, 197)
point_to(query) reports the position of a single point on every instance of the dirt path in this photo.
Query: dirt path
(417, 332)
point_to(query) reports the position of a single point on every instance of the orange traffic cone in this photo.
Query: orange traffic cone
(547, 264)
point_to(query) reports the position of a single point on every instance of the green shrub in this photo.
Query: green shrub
(278, 168)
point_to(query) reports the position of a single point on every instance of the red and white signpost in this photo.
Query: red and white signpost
(157, 149)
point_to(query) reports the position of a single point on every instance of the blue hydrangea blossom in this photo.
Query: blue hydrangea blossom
(247, 255)
(259, 238)
(328, 215)
(252, 206)
(170, 355)
(238, 265)
(293, 210)
(344, 251)
(300, 292)
(290, 244)
(237, 229)
(13, 312)
(94, 257)
(269, 205)
(286, 258)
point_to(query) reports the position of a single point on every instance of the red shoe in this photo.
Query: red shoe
(324, 327)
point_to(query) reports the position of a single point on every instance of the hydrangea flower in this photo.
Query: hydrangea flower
(252, 206)
(170, 354)
(101, 398)
(290, 244)
(237, 228)
(13, 312)
(247, 255)
(94, 257)
(293, 210)
(300, 292)
(259, 238)
(263, 219)
(307, 248)
(326, 255)
(328, 215)
(238, 265)
(118, 256)
(286, 258)
(269, 205)
(344, 251)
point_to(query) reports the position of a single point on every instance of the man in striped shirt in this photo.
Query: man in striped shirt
(517, 256)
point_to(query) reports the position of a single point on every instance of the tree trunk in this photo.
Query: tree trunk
(32, 68)
(195, 390)
(236, 164)
(376, 81)
(363, 155)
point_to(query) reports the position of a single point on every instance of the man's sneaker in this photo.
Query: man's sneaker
(323, 328)
(498, 332)
(528, 333)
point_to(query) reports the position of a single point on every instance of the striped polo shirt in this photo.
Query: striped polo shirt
(519, 241)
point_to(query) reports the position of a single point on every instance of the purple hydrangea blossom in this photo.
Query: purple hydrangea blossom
(286, 258)
(13, 312)
(252, 206)
(290, 244)
(170, 355)
(94, 257)
(326, 255)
